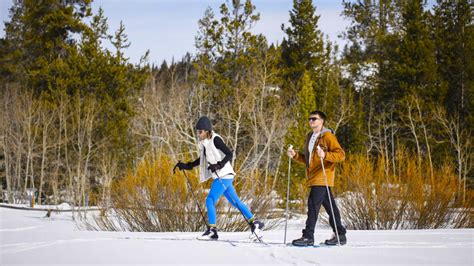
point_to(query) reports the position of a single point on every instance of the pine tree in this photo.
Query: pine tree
(413, 62)
(306, 103)
(225, 63)
(39, 38)
(373, 37)
(302, 49)
(453, 34)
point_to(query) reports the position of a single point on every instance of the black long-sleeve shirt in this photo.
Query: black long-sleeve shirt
(219, 143)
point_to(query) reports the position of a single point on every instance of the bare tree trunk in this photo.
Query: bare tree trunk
(370, 136)
(384, 143)
(43, 159)
(428, 146)
(55, 177)
(5, 134)
(108, 170)
(29, 131)
(47, 119)
(28, 120)
(90, 118)
(70, 187)
(7, 171)
(235, 141)
(461, 141)
(18, 171)
(412, 127)
(392, 140)
(277, 169)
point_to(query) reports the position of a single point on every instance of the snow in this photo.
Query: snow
(29, 238)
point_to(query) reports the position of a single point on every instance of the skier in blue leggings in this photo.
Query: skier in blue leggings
(214, 162)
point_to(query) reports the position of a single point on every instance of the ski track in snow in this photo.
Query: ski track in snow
(28, 238)
(27, 246)
(19, 229)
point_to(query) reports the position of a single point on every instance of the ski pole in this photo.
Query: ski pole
(287, 194)
(329, 196)
(194, 196)
(237, 206)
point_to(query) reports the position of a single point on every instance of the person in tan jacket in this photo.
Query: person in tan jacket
(331, 152)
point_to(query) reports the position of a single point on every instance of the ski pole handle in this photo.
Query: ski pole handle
(290, 147)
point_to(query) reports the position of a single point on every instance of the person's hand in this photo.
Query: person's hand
(291, 153)
(321, 153)
(214, 167)
(182, 166)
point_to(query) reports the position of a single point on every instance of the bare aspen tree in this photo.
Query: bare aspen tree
(423, 121)
(410, 122)
(107, 171)
(166, 122)
(29, 118)
(5, 135)
(47, 117)
(61, 162)
(234, 116)
(370, 135)
(460, 139)
(83, 117)
(414, 120)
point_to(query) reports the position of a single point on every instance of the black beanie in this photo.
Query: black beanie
(204, 124)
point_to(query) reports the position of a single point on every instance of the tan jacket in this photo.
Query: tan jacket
(334, 154)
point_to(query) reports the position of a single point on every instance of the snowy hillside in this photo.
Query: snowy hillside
(27, 237)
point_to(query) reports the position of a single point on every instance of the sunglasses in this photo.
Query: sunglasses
(313, 118)
(199, 131)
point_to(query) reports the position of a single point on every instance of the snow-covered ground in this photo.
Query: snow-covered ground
(27, 237)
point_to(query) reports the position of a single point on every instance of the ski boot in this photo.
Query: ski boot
(256, 229)
(333, 240)
(210, 234)
(303, 242)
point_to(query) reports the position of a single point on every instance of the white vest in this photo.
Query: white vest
(212, 156)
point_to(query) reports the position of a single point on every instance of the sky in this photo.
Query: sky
(168, 27)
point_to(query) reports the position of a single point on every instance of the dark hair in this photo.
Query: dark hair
(321, 114)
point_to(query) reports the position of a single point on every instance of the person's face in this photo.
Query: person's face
(315, 121)
(201, 134)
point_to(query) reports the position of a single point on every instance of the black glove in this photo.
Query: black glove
(214, 167)
(183, 166)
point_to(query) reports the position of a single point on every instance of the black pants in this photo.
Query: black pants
(318, 196)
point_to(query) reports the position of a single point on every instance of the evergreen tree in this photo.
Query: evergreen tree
(40, 52)
(39, 38)
(372, 36)
(302, 49)
(453, 34)
(390, 57)
(223, 44)
(412, 64)
(306, 103)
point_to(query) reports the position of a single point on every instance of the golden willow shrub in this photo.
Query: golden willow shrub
(153, 199)
(407, 199)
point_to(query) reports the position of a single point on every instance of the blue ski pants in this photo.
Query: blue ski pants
(219, 187)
